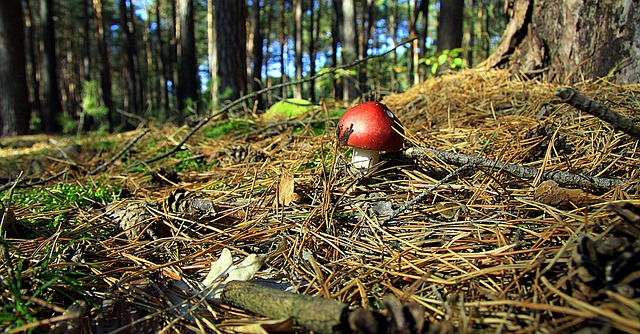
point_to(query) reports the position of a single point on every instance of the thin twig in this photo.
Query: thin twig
(583, 103)
(425, 193)
(121, 153)
(562, 177)
(227, 107)
(18, 182)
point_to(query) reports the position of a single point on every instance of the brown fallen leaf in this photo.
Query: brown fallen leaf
(549, 192)
(286, 188)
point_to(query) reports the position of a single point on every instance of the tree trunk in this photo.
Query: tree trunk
(572, 40)
(297, 33)
(33, 77)
(349, 47)
(283, 49)
(14, 101)
(105, 64)
(173, 47)
(336, 38)
(450, 25)
(52, 105)
(231, 18)
(212, 52)
(314, 32)
(130, 85)
(160, 62)
(258, 44)
(188, 81)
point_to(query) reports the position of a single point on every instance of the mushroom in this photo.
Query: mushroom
(369, 128)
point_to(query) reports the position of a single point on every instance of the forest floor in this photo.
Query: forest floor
(464, 244)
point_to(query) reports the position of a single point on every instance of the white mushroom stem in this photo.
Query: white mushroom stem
(364, 158)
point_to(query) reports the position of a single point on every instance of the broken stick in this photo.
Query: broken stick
(561, 177)
(583, 103)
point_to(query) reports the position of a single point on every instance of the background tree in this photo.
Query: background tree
(231, 16)
(450, 25)
(257, 54)
(51, 106)
(188, 82)
(14, 102)
(569, 41)
(349, 46)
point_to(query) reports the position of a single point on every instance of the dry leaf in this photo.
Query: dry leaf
(286, 188)
(549, 192)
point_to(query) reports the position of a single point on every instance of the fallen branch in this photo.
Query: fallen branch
(323, 315)
(583, 103)
(20, 183)
(561, 177)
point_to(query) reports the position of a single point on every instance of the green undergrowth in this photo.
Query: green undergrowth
(225, 128)
(59, 200)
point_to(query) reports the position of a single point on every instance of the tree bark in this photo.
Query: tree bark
(568, 41)
(188, 81)
(33, 78)
(212, 52)
(450, 25)
(349, 47)
(231, 18)
(52, 105)
(297, 7)
(258, 44)
(14, 101)
(160, 62)
(130, 85)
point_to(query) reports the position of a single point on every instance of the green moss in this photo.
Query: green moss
(290, 108)
(222, 129)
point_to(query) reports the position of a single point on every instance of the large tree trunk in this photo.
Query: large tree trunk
(52, 106)
(14, 102)
(450, 25)
(567, 41)
(231, 17)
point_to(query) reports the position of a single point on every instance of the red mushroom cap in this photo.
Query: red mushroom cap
(370, 126)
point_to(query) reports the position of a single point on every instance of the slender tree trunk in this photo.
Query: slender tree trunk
(173, 48)
(283, 49)
(212, 51)
(14, 101)
(314, 32)
(130, 84)
(231, 18)
(267, 58)
(349, 47)
(423, 32)
(52, 105)
(258, 45)
(160, 62)
(149, 88)
(85, 69)
(297, 32)
(393, 30)
(336, 38)
(105, 64)
(188, 81)
(34, 92)
(412, 53)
